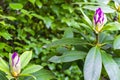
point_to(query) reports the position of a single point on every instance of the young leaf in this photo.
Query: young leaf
(4, 66)
(116, 43)
(68, 57)
(31, 69)
(113, 26)
(111, 67)
(86, 18)
(25, 58)
(16, 6)
(93, 64)
(42, 75)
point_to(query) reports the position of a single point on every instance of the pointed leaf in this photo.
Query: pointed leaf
(4, 66)
(31, 69)
(93, 64)
(25, 58)
(113, 26)
(111, 67)
(66, 41)
(68, 57)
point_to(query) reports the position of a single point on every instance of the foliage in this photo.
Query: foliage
(63, 38)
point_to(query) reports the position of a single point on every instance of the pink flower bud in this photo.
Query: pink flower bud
(16, 65)
(99, 20)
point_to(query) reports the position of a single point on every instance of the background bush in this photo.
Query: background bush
(31, 24)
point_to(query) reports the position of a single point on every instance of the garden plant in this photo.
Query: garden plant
(59, 39)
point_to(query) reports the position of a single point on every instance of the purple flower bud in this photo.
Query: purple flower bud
(15, 65)
(99, 20)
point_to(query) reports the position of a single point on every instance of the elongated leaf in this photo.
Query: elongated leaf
(25, 58)
(31, 69)
(86, 18)
(112, 26)
(16, 6)
(116, 43)
(68, 57)
(111, 67)
(66, 41)
(105, 8)
(42, 75)
(93, 65)
(4, 66)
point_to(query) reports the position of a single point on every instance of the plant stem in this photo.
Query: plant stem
(97, 38)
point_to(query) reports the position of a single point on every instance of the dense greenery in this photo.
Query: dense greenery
(61, 35)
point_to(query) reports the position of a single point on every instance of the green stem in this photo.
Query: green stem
(97, 38)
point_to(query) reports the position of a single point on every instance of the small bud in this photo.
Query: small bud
(15, 65)
(99, 20)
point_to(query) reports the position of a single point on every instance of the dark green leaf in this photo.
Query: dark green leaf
(66, 41)
(93, 64)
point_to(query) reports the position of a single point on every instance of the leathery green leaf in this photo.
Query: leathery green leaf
(31, 69)
(93, 64)
(111, 66)
(25, 58)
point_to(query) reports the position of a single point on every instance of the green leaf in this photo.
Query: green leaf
(32, 1)
(66, 41)
(25, 58)
(86, 18)
(42, 75)
(117, 60)
(16, 6)
(4, 66)
(5, 35)
(93, 64)
(68, 33)
(105, 8)
(2, 76)
(111, 67)
(116, 43)
(68, 57)
(38, 3)
(31, 69)
(113, 26)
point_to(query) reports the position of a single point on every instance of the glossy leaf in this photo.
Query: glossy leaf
(93, 64)
(68, 57)
(116, 43)
(111, 67)
(25, 58)
(31, 69)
